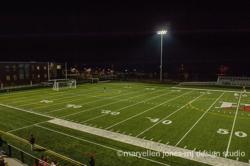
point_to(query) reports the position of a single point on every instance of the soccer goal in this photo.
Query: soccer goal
(94, 80)
(63, 83)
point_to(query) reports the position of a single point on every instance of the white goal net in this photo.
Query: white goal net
(63, 83)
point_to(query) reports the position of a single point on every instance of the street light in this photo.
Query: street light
(162, 33)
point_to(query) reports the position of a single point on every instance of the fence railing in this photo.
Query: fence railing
(24, 157)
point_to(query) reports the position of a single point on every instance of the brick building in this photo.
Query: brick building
(24, 73)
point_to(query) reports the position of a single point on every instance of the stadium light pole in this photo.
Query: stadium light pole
(162, 33)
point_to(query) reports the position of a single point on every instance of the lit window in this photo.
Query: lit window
(14, 67)
(7, 68)
(14, 77)
(8, 78)
(58, 66)
(45, 67)
(38, 76)
(38, 67)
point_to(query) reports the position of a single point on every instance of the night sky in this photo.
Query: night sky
(202, 35)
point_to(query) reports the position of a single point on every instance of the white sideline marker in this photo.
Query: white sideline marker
(98, 144)
(131, 105)
(199, 119)
(205, 89)
(152, 108)
(232, 130)
(147, 144)
(168, 116)
(86, 110)
(89, 102)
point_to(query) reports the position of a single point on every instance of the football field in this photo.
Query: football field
(118, 122)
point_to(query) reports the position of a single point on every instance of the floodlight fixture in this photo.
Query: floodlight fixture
(162, 33)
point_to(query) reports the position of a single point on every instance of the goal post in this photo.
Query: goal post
(94, 80)
(63, 83)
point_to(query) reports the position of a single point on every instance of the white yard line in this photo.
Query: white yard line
(98, 144)
(131, 105)
(67, 97)
(49, 96)
(199, 119)
(48, 116)
(96, 117)
(81, 99)
(24, 127)
(102, 105)
(54, 94)
(232, 130)
(147, 110)
(41, 94)
(26, 92)
(105, 98)
(23, 110)
(144, 131)
(214, 90)
(35, 93)
(146, 144)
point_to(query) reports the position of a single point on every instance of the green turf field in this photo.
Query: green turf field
(187, 118)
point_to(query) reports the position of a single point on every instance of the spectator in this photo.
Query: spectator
(45, 161)
(2, 163)
(32, 142)
(41, 161)
(1, 144)
(92, 161)
(53, 163)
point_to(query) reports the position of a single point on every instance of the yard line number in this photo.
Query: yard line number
(240, 134)
(110, 112)
(154, 120)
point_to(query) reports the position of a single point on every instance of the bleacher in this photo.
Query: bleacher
(10, 161)
(14, 156)
(233, 81)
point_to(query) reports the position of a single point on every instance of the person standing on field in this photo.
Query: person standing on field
(1, 144)
(32, 142)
